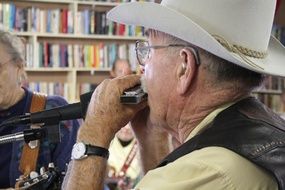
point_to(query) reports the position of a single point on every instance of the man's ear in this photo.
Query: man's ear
(186, 70)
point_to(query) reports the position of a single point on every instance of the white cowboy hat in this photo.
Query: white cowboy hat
(235, 30)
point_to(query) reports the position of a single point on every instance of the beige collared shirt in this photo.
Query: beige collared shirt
(209, 168)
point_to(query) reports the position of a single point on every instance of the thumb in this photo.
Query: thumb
(128, 81)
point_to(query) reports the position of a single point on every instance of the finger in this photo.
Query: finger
(101, 88)
(127, 82)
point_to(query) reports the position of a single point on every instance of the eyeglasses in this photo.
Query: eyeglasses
(143, 51)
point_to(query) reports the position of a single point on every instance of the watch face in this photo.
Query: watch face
(78, 151)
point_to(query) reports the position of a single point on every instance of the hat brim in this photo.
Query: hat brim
(164, 19)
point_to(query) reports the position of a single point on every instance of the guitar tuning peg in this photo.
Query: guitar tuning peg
(33, 174)
(42, 170)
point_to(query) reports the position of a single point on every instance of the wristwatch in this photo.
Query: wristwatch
(81, 150)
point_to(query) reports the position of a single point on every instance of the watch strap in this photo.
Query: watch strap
(97, 151)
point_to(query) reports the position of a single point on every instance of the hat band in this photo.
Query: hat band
(242, 51)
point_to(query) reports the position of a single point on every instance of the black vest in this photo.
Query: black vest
(248, 128)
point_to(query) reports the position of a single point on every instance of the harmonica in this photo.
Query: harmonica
(133, 95)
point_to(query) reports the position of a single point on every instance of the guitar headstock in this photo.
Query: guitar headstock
(48, 180)
(28, 183)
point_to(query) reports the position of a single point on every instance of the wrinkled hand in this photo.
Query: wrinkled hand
(105, 114)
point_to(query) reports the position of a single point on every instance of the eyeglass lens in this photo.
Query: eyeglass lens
(142, 52)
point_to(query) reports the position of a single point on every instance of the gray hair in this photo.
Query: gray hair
(221, 70)
(13, 45)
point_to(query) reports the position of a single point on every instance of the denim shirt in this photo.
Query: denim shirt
(58, 153)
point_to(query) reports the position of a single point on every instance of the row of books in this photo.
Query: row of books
(50, 88)
(33, 19)
(95, 22)
(279, 33)
(97, 56)
(60, 89)
(88, 21)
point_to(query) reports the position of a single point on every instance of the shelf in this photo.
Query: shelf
(79, 36)
(96, 3)
(75, 76)
(92, 70)
(105, 4)
(48, 69)
(45, 1)
(75, 48)
(27, 34)
(67, 69)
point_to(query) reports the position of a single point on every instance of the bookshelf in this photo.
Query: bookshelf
(78, 33)
(70, 45)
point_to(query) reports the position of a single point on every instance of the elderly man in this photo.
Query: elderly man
(201, 61)
(18, 159)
